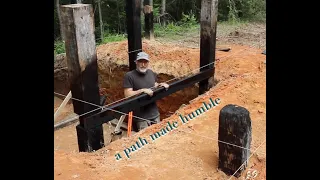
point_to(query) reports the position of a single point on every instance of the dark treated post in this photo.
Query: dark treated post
(148, 19)
(133, 9)
(208, 20)
(234, 128)
(81, 58)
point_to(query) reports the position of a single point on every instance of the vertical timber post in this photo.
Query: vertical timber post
(78, 22)
(148, 19)
(208, 20)
(133, 11)
(234, 128)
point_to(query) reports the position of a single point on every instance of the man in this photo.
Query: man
(139, 81)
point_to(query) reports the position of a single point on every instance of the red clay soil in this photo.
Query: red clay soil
(191, 151)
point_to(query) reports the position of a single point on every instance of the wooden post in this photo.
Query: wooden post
(78, 22)
(148, 19)
(133, 9)
(234, 128)
(208, 20)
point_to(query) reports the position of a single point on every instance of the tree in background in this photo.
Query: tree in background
(113, 15)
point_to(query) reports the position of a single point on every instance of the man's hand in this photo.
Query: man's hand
(147, 91)
(165, 85)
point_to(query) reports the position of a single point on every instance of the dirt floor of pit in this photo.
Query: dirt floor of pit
(191, 151)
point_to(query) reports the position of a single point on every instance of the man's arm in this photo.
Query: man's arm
(129, 92)
(165, 85)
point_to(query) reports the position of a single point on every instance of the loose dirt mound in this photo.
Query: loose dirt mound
(165, 59)
(190, 151)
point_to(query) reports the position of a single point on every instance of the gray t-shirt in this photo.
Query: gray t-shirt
(136, 81)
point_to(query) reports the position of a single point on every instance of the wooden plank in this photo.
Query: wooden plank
(72, 118)
(208, 23)
(62, 105)
(120, 122)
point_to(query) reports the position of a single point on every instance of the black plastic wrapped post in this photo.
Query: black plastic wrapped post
(133, 8)
(234, 128)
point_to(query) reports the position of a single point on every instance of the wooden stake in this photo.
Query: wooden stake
(129, 124)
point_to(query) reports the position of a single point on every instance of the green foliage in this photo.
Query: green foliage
(238, 10)
(168, 30)
(175, 30)
(252, 9)
(59, 47)
(156, 11)
(114, 38)
(188, 20)
(182, 15)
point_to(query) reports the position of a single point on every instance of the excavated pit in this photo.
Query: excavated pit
(110, 83)
(169, 63)
(241, 75)
(111, 86)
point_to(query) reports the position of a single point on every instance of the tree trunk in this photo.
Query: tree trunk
(163, 10)
(148, 19)
(101, 22)
(59, 16)
(119, 23)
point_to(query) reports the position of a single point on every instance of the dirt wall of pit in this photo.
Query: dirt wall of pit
(111, 72)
